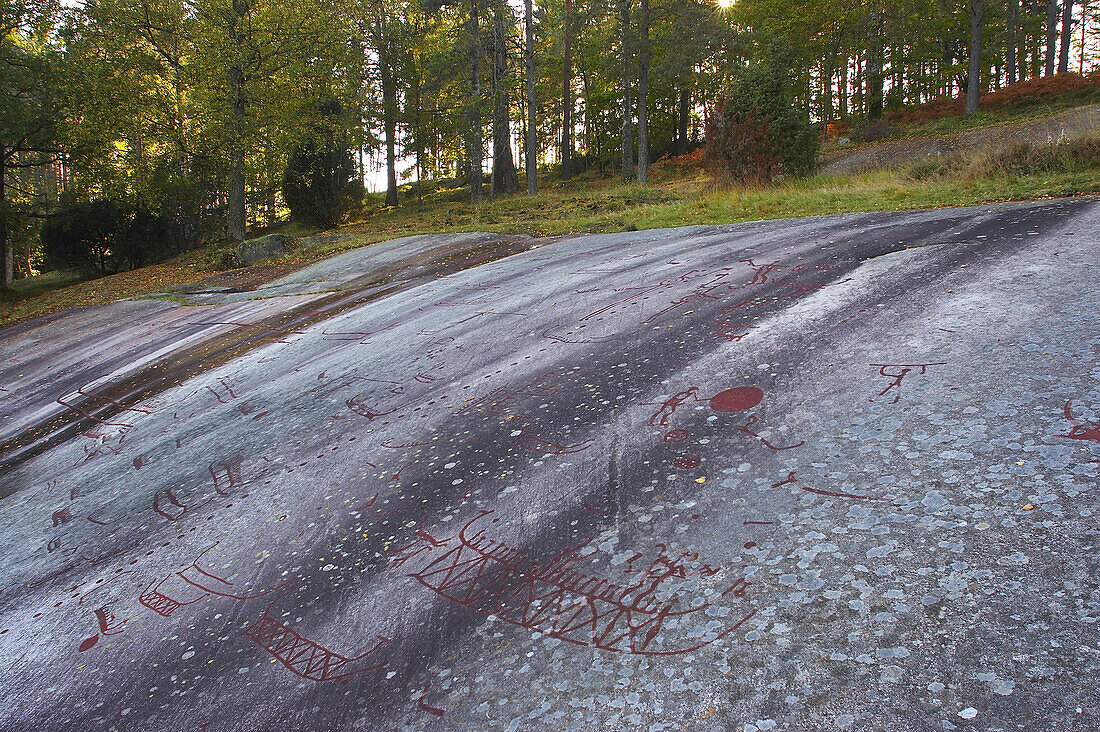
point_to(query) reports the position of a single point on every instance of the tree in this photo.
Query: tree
(531, 150)
(33, 104)
(256, 57)
(627, 132)
(567, 98)
(759, 131)
(643, 96)
(1052, 34)
(505, 179)
(473, 107)
(386, 68)
(1010, 46)
(1067, 32)
(974, 74)
(320, 184)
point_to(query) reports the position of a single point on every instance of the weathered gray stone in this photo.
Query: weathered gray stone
(263, 248)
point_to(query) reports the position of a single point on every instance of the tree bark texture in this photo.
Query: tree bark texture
(643, 95)
(974, 75)
(531, 161)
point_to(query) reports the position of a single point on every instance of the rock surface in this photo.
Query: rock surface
(827, 473)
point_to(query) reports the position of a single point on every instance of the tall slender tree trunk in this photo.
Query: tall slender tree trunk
(844, 89)
(626, 134)
(1081, 61)
(875, 62)
(531, 161)
(389, 110)
(974, 74)
(505, 179)
(567, 98)
(474, 145)
(643, 95)
(1067, 33)
(8, 273)
(235, 224)
(1013, 10)
(1052, 34)
(685, 113)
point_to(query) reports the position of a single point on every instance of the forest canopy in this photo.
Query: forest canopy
(175, 122)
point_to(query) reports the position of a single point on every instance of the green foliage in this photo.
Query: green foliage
(320, 184)
(104, 236)
(758, 131)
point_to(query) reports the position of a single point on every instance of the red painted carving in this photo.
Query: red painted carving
(62, 516)
(95, 403)
(226, 474)
(304, 657)
(676, 436)
(905, 370)
(669, 406)
(198, 583)
(832, 494)
(1080, 430)
(495, 579)
(747, 429)
(228, 391)
(736, 399)
(427, 708)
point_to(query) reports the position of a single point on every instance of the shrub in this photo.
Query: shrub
(320, 185)
(105, 236)
(757, 132)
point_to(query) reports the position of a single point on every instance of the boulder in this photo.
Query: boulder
(263, 248)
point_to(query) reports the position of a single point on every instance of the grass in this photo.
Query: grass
(1029, 100)
(680, 194)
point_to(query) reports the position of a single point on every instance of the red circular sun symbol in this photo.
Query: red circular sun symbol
(675, 436)
(737, 399)
(687, 462)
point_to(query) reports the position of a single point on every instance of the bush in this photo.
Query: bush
(104, 236)
(758, 132)
(320, 185)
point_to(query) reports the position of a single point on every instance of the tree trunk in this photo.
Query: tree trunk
(1052, 34)
(685, 112)
(505, 179)
(237, 216)
(1067, 32)
(1013, 9)
(974, 75)
(626, 134)
(567, 99)
(473, 108)
(874, 65)
(844, 89)
(531, 161)
(7, 274)
(389, 111)
(235, 224)
(643, 97)
(235, 228)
